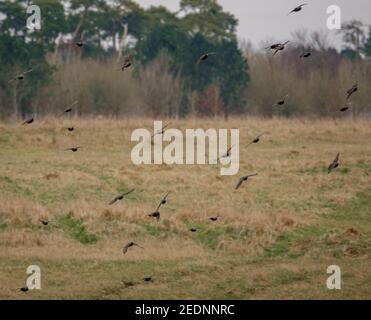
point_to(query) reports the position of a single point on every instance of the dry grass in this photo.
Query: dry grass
(275, 238)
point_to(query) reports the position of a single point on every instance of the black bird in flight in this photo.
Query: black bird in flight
(352, 90)
(282, 101)
(73, 149)
(21, 76)
(257, 139)
(70, 129)
(193, 230)
(226, 155)
(24, 289)
(45, 222)
(334, 164)
(163, 201)
(127, 62)
(155, 214)
(343, 109)
(204, 57)
(148, 279)
(29, 121)
(280, 47)
(79, 44)
(161, 131)
(214, 219)
(275, 46)
(306, 54)
(120, 197)
(129, 245)
(298, 8)
(243, 179)
(69, 108)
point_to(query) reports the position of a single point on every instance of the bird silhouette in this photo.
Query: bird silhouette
(298, 8)
(29, 121)
(334, 164)
(306, 54)
(243, 179)
(45, 222)
(214, 219)
(129, 245)
(127, 62)
(148, 279)
(120, 197)
(352, 90)
(277, 45)
(226, 155)
(155, 214)
(160, 131)
(282, 101)
(79, 44)
(344, 109)
(163, 201)
(21, 76)
(24, 289)
(256, 139)
(70, 129)
(73, 149)
(193, 230)
(280, 47)
(69, 108)
(204, 57)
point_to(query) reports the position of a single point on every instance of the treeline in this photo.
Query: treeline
(164, 79)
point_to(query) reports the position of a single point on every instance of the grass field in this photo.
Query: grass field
(275, 238)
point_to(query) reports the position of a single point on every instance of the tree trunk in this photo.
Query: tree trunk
(122, 42)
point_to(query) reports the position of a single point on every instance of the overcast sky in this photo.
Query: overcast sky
(261, 20)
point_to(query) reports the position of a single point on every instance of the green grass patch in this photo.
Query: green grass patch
(75, 229)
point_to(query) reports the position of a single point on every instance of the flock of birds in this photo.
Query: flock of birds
(127, 63)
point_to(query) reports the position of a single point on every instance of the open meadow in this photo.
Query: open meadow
(274, 239)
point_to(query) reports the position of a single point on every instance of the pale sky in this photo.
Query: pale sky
(261, 20)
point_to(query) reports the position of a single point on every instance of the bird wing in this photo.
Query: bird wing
(276, 51)
(134, 244)
(125, 249)
(252, 175)
(239, 183)
(337, 157)
(114, 200)
(126, 193)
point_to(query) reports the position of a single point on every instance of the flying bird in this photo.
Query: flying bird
(24, 289)
(275, 46)
(45, 222)
(306, 54)
(344, 109)
(73, 149)
(120, 197)
(69, 108)
(281, 47)
(243, 179)
(204, 57)
(148, 279)
(129, 245)
(298, 8)
(21, 76)
(127, 62)
(214, 219)
(226, 155)
(79, 44)
(282, 101)
(29, 121)
(161, 131)
(70, 129)
(155, 214)
(352, 90)
(256, 140)
(334, 164)
(193, 230)
(163, 201)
